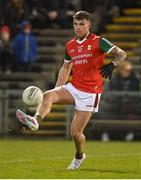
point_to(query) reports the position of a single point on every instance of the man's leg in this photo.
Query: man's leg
(79, 122)
(57, 95)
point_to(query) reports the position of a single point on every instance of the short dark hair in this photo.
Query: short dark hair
(80, 15)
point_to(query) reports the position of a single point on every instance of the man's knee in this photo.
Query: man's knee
(76, 134)
(47, 97)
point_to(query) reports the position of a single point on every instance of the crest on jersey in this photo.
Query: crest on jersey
(89, 47)
(80, 48)
(72, 51)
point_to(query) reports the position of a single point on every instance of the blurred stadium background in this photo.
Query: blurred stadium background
(119, 21)
(27, 155)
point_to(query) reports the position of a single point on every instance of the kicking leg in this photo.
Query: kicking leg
(79, 122)
(57, 95)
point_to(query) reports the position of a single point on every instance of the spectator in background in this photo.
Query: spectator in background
(110, 11)
(125, 79)
(52, 12)
(6, 56)
(102, 12)
(122, 106)
(37, 14)
(15, 12)
(24, 47)
(67, 10)
(97, 10)
(3, 4)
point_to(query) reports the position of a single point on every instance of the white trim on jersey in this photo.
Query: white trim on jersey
(67, 60)
(80, 42)
(111, 49)
(107, 41)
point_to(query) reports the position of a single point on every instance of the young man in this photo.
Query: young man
(84, 56)
(24, 47)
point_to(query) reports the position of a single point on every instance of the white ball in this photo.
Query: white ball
(32, 96)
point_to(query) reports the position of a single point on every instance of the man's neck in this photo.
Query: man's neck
(85, 36)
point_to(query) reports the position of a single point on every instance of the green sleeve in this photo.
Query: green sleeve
(105, 45)
(67, 57)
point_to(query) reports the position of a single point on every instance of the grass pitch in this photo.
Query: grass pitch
(49, 159)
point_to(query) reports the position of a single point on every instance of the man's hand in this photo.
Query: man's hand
(120, 55)
(106, 70)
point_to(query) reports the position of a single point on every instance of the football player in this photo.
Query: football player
(84, 56)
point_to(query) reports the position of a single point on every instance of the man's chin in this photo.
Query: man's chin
(81, 37)
(78, 35)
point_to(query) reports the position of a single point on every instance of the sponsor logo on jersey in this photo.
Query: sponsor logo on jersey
(89, 47)
(89, 105)
(80, 48)
(76, 62)
(81, 56)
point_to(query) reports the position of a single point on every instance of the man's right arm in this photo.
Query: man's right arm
(65, 69)
(64, 73)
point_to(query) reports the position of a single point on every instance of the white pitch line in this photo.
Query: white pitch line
(68, 157)
(116, 155)
(31, 160)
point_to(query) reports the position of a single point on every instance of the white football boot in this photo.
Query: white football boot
(75, 164)
(31, 122)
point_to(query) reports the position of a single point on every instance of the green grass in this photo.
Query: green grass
(49, 159)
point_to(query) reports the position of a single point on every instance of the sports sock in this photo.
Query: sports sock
(79, 155)
(38, 117)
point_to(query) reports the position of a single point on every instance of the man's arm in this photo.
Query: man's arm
(64, 73)
(119, 54)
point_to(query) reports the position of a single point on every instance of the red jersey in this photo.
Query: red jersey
(87, 58)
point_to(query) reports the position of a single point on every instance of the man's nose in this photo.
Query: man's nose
(78, 27)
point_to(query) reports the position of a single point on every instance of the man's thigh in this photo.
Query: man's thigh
(60, 95)
(80, 120)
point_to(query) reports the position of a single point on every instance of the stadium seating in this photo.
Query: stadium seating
(124, 32)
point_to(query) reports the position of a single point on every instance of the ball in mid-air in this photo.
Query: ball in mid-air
(32, 96)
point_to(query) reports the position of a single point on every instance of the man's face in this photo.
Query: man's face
(27, 30)
(126, 71)
(5, 36)
(81, 27)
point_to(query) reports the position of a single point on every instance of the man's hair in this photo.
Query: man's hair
(80, 15)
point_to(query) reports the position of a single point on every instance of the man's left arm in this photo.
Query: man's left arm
(119, 54)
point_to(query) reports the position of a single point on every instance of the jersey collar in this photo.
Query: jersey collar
(80, 42)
